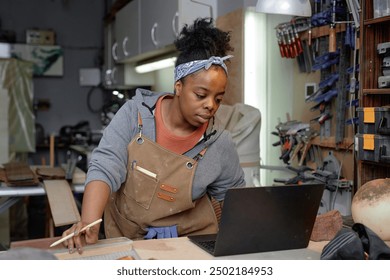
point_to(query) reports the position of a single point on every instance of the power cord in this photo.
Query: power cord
(89, 96)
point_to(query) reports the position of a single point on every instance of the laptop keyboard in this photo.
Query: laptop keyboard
(208, 245)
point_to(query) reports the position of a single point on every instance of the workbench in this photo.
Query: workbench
(180, 248)
(183, 249)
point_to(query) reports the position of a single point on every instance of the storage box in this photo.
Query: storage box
(40, 37)
(374, 120)
(381, 8)
(373, 147)
(384, 82)
(386, 66)
(383, 48)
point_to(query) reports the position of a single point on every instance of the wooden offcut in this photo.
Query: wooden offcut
(326, 226)
(62, 203)
(119, 248)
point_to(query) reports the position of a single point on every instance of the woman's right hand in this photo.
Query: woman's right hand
(80, 239)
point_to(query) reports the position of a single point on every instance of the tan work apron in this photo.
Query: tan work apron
(157, 192)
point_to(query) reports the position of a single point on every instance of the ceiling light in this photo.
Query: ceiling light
(285, 7)
(156, 64)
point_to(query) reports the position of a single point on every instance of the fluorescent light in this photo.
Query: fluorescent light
(285, 7)
(156, 65)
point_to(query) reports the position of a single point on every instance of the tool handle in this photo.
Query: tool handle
(281, 50)
(332, 39)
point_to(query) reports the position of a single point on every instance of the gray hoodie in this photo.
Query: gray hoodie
(217, 171)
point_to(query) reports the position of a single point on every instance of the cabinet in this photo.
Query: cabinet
(127, 22)
(373, 32)
(120, 45)
(162, 20)
(147, 28)
(158, 23)
(113, 73)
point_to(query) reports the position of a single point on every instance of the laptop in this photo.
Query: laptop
(264, 219)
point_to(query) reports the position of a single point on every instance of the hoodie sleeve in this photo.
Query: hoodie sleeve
(109, 159)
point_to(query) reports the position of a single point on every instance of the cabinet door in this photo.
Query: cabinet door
(158, 21)
(127, 22)
(189, 10)
(162, 20)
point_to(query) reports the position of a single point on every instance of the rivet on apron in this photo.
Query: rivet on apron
(189, 165)
(140, 140)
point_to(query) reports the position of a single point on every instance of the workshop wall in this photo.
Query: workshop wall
(78, 26)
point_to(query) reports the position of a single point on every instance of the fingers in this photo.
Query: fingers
(75, 243)
(69, 243)
(79, 239)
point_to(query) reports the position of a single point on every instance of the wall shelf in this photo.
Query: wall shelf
(376, 91)
(373, 31)
(379, 20)
(330, 142)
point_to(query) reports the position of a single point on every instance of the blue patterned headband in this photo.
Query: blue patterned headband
(187, 68)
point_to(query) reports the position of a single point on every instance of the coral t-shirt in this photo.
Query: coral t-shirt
(170, 141)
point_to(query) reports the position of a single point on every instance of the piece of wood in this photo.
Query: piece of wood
(52, 150)
(105, 249)
(326, 226)
(183, 249)
(62, 203)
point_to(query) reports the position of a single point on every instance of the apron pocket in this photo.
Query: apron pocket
(128, 228)
(142, 186)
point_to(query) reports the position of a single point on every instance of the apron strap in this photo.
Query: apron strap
(139, 125)
(200, 154)
(196, 158)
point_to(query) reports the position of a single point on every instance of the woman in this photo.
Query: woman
(164, 156)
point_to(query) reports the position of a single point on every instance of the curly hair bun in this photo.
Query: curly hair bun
(201, 40)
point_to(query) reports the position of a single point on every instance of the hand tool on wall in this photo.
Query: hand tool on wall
(287, 52)
(324, 86)
(290, 136)
(287, 148)
(320, 106)
(303, 175)
(297, 39)
(328, 173)
(322, 118)
(307, 137)
(280, 43)
(290, 45)
(327, 96)
(354, 9)
(294, 44)
(332, 30)
(298, 147)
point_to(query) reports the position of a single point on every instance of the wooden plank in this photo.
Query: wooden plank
(105, 249)
(322, 31)
(62, 203)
